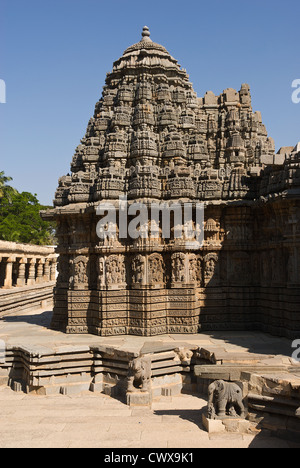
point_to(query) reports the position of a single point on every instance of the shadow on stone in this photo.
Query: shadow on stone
(255, 342)
(42, 320)
(192, 415)
(268, 439)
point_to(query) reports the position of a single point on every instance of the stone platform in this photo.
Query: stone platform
(19, 299)
(32, 329)
(40, 361)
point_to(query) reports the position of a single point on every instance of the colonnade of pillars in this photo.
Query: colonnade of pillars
(26, 271)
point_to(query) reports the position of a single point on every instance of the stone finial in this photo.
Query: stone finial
(146, 34)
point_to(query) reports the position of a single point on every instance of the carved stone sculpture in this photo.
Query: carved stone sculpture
(184, 354)
(179, 273)
(80, 272)
(139, 375)
(225, 399)
(156, 269)
(138, 269)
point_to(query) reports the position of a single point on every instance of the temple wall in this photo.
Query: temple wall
(258, 279)
(245, 277)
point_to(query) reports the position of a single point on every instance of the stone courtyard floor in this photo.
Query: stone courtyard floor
(33, 329)
(97, 420)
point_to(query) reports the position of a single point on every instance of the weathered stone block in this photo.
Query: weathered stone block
(139, 399)
(213, 425)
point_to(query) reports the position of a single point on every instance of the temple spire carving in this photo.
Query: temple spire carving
(152, 138)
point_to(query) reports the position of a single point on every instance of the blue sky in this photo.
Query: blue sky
(55, 55)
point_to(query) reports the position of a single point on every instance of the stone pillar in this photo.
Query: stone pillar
(31, 276)
(40, 271)
(47, 271)
(1, 278)
(8, 273)
(53, 270)
(21, 280)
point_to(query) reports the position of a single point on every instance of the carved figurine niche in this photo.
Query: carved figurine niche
(115, 271)
(139, 375)
(138, 270)
(195, 269)
(111, 272)
(211, 270)
(179, 274)
(225, 399)
(156, 270)
(80, 277)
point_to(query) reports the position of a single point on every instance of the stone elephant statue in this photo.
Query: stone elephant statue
(225, 399)
(139, 375)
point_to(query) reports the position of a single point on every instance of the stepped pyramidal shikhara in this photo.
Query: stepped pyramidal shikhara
(151, 139)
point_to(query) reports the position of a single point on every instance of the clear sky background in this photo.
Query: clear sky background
(55, 54)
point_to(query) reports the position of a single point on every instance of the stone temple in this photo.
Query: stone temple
(152, 139)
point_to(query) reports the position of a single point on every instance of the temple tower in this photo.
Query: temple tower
(151, 139)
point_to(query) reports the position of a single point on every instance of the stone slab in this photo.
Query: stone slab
(233, 425)
(213, 425)
(139, 399)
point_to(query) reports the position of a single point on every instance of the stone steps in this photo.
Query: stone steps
(75, 369)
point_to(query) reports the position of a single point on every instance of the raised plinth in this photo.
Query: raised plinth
(38, 360)
(227, 424)
(20, 299)
(139, 399)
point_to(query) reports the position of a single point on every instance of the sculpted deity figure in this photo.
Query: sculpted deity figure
(193, 269)
(101, 271)
(210, 266)
(63, 269)
(178, 267)
(138, 269)
(80, 274)
(156, 269)
(115, 270)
